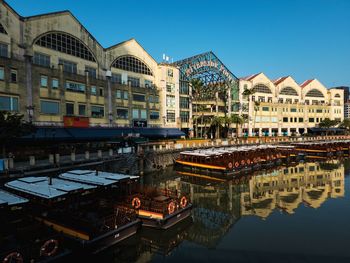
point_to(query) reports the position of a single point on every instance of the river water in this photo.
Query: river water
(299, 213)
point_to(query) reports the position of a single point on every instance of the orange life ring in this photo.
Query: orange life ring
(242, 162)
(248, 161)
(236, 164)
(136, 203)
(183, 202)
(230, 165)
(171, 207)
(13, 257)
(49, 248)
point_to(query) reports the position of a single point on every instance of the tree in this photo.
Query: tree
(248, 93)
(12, 126)
(238, 120)
(197, 87)
(327, 124)
(345, 124)
(217, 122)
(256, 108)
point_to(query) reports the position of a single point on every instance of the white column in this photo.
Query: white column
(270, 132)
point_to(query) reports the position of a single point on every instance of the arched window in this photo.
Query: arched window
(65, 43)
(2, 29)
(337, 96)
(289, 91)
(133, 64)
(314, 93)
(262, 89)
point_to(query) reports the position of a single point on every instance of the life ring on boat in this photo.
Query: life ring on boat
(136, 203)
(230, 165)
(171, 207)
(242, 162)
(13, 257)
(236, 164)
(248, 161)
(49, 248)
(183, 202)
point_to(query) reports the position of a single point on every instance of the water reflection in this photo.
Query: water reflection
(219, 205)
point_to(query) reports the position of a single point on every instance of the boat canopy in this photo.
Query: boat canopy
(9, 199)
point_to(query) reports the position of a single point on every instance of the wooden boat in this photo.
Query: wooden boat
(76, 210)
(23, 239)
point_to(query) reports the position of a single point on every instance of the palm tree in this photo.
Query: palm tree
(238, 120)
(249, 93)
(217, 122)
(197, 87)
(345, 124)
(256, 108)
(327, 124)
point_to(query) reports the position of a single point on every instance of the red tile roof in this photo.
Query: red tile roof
(279, 80)
(306, 82)
(250, 77)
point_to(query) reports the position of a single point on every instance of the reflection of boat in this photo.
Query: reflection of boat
(77, 209)
(24, 239)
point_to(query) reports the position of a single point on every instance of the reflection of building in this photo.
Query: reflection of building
(308, 183)
(287, 108)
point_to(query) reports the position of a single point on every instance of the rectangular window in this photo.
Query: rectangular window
(93, 90)
(43, 81)
(143, 114)
(100, 91)
(116, 78)
(126, 95)
(265, 108)
(154, 115)
(41, 59)
(75, 86)
(170, 116)
(170, 101)
(97, 111)
(170, 72)
(170, 87)
(318, 110)
(8, 103)
(118, 94)
(261, 99)
(135, 113)
(184, 115)
(269, 99)
(2, 73)
(91, 71)
(54, 84)
(293, 110)
(4, 50)
(49, 107)
(184, 87)
(280, 100)
(68, 66)
(13, 75)
(138, 97)
(122, 113)
(311, 119)
(82, 109)
(285, 119)
(69, 109)
(184, 102)
(133, 82)
(301, 119)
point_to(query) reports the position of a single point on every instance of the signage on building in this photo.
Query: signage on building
(140, 124)
(206, 63)
(72, 121)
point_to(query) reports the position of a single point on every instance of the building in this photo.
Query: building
(283, 107)
(55, 72)
(346, 100)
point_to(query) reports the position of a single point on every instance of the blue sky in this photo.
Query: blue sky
(302, 38)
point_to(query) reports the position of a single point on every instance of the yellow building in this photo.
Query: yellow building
(283, 107)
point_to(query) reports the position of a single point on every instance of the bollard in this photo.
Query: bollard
(51, 158)
(11, 165)
(111, 152)
(72, 156)
(87, 155)
(57, 157)
(154, 147)
(99, 154)
(32, 160)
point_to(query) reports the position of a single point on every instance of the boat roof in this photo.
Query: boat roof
(9, 199)
(41, 187)
(96, 178)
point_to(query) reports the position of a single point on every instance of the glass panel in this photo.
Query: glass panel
(4, 50)
(143, 114)
(135, 113)
(154, 115)
(41, 59)
(74, 86)
(49, 107)
(122, 113)
(93, 90)
(2, 74)
(97, 111)
(82, 110)
(132, 64)
(69, 109)
(55, 83)
(138, 97)
(43, 81)
(8, 103)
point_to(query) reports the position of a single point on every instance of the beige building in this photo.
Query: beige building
(283, 107)
(56, 73)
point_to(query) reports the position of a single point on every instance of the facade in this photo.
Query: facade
(346, 100)
(283, 107)
(55, 72)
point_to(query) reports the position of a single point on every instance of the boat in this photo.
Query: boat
(23, 239)
(157, 209)
(78, 210)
